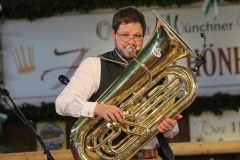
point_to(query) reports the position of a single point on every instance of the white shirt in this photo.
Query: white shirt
(73, 99)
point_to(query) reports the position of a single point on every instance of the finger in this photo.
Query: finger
(114, 110)
(167, 123)
(118, 117)
(111, 116)
(160, 129)
(106, 117)
(179, 117)
(120, 113)
(164, 127)
(171, 122)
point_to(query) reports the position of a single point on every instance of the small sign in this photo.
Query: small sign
(53, 135)
(209, 127)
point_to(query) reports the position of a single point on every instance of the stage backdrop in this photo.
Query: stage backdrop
(36, 53)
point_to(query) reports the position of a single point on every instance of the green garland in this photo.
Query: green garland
(215, 104)
(46, 112)
(36, 9)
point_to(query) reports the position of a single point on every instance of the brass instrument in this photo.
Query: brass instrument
(144, 101)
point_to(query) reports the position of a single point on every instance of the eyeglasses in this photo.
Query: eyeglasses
(126, 37)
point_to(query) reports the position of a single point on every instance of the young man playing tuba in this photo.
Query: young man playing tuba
(96, 74)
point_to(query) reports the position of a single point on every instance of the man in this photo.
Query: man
(95, 74)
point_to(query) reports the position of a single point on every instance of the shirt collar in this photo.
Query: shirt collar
(124, 60)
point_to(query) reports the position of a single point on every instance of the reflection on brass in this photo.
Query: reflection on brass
(143, 100)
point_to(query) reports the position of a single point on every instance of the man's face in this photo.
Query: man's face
(128, 30)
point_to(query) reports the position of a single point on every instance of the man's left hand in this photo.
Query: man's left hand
(166, 124)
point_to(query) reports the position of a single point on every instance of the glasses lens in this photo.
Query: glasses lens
(137, 38)
(127, 38)
(124, 38)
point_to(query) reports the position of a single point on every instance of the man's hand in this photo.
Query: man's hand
(110, 113)
(167, 124)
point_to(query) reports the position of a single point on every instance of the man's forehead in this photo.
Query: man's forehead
(130, 26)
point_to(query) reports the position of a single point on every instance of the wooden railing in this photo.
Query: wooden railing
(179, 149)
(204, 148)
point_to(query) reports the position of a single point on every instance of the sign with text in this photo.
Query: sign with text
(209, 127)
(36, 53)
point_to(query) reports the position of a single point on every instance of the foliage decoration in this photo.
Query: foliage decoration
(215, 104)
(36, 9)
(46, 112)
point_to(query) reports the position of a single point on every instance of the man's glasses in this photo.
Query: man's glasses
(126, 37)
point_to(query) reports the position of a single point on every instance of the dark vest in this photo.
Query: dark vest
(110, 71)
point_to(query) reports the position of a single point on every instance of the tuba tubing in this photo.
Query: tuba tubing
(143, 100)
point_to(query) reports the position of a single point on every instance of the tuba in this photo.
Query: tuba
(144, 101)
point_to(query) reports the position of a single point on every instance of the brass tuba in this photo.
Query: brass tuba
(137, 92)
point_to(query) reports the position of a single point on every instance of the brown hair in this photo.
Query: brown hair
(128, 15)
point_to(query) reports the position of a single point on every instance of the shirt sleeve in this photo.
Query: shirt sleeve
(73, 100)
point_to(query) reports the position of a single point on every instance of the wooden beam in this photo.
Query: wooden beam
(205, 148)
(179, 149)
(57, 155)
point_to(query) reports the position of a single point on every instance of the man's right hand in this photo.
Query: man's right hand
(110, 113)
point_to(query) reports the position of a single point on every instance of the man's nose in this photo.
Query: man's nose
(131, 41)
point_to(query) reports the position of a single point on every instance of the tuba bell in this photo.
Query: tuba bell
(144, 101)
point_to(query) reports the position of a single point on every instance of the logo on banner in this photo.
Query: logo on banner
(71, 69)
(182, 27)
(104, 30)
(53, 135)
(238, 20)
(24, 63)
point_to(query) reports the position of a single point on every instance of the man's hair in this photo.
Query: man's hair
(127, 15)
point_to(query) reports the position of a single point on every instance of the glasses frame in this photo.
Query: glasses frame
(129, 38)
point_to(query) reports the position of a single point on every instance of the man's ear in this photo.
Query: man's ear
(113, 35)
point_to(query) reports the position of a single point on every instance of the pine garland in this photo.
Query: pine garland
(46, 112)
(36, 9)
(215, 104)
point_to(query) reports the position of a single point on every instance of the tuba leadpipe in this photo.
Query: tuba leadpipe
(137, 92)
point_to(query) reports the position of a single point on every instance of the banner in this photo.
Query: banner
(36, 53)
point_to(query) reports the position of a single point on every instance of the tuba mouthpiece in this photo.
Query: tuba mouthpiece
(130, 49)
